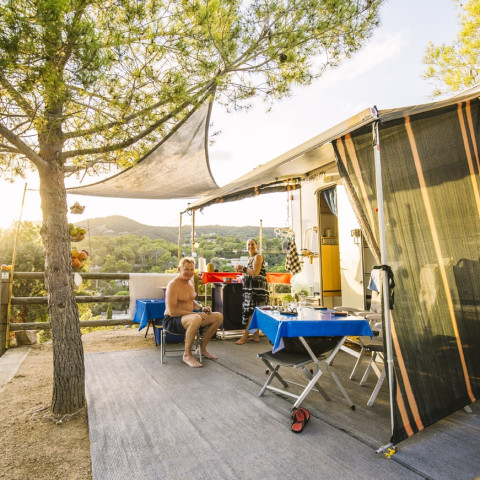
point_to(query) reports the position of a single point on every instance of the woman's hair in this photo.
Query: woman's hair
(185, 260)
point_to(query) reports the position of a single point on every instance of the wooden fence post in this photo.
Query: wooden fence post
(4, 302)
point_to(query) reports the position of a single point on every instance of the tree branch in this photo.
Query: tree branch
(107, 126)
(136, 138)
(36, 159)
(8, 149)
(21, 101)
(77, 168)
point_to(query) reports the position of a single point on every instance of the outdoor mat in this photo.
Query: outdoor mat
(150, 421)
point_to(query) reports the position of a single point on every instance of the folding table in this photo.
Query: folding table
(147, 310)
(311, 323)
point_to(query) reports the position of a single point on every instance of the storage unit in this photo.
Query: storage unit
(227, 299)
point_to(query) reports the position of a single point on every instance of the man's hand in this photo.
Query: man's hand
(206, 310)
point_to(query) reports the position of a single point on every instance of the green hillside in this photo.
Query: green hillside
(116, 225)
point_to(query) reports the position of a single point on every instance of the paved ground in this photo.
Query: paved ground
(10, 361)
(145, 415)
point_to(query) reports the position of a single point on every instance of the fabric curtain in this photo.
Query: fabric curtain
(431, 190)
(331, 198)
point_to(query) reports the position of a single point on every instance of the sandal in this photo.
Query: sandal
(298, 420)
(306, 413)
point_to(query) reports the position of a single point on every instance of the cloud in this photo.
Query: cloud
(381, 50)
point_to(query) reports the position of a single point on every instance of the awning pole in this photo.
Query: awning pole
(193, 232)
(260, 240)
(180, 238)
(301, 220)
(383, 259)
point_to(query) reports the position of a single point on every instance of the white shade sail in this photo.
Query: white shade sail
(177, 168)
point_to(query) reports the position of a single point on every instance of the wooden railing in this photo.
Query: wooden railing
(7, 298)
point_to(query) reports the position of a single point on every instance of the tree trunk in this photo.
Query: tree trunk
(68, 360)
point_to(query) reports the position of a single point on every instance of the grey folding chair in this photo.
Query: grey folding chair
(163, 332)
(375, 348)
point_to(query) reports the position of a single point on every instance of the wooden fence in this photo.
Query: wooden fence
(7, 299)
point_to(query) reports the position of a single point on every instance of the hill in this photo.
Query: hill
(116, 225)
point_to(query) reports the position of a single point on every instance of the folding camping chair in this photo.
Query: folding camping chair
(375, 348)
(367, 345)
(163, 336)
(374, 316)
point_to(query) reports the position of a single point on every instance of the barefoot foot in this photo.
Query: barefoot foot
(241, 341)
(191, 361)
(254, 338)
(206, 354)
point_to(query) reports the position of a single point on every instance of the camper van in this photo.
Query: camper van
(337, 260)
(399, 189)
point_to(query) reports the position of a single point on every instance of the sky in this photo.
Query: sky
(386, 73)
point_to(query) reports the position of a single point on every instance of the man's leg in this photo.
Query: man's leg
(191, 324)
(213, 321)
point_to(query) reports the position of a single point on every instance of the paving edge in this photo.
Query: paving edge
(10, 362)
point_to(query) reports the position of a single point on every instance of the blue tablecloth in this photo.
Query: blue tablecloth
(148, 309)
(314, 323)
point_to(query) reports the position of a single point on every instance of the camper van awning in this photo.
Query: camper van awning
(162, 173)
(313, 155)
(285, 171)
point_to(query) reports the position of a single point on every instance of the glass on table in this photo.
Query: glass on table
(302, 304)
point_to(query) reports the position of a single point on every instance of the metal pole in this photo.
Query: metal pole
(301, 219)
(179, 239)
(260, 240)
(14, 256)
(383, 259)
(193, 232)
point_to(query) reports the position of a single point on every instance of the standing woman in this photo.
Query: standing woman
(255, 288)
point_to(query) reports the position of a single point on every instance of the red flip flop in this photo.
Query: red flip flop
(306, 414)
(298, 421)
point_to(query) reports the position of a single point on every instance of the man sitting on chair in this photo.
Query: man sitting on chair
(180, 317)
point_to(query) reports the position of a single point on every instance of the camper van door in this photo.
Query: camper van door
(351, 264)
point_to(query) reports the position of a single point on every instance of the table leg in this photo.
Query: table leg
(334, 352)
(273, 373)
(326, 363)
(307, 389)
(340, 387)
(307, 373)
(149, 322)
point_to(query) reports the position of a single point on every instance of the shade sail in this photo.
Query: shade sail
(178, 167)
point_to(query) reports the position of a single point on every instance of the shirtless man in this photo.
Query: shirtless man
(180, 317)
